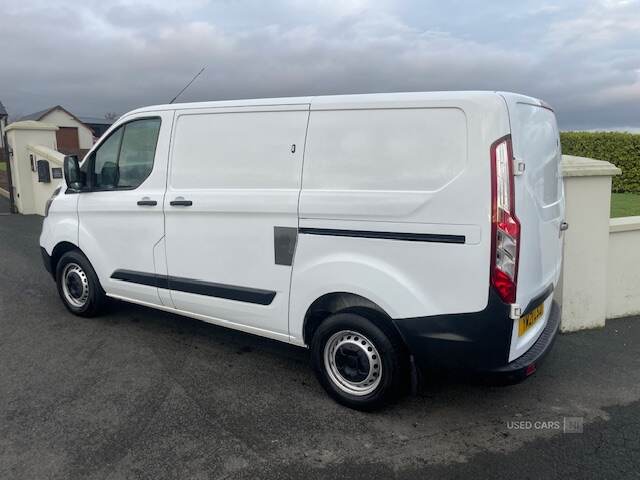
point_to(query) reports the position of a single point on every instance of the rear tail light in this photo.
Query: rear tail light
(505, 227)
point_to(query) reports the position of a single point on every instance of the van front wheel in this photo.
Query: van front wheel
(78, 285)
(357, 363)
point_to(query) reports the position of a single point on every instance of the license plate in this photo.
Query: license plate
(527, 321)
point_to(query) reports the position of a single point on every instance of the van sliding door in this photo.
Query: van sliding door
(231, 213)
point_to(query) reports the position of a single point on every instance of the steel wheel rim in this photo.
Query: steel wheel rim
(352, 362)
(75, 285)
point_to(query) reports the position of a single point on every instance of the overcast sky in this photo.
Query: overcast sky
(96, 56)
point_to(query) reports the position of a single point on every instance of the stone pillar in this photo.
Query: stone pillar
(19, 136)
(583, 292)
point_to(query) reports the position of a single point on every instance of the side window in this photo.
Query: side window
(125, 159)
(137, 152)
(106, 161)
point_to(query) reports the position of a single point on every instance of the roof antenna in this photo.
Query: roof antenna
(187, 85)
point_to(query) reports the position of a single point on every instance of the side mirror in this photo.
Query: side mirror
(74, 178)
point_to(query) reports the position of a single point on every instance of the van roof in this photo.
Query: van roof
(328, 101)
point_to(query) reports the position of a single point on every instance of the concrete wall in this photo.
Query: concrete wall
(584, 280)
(601, 270)
(623, 269)
(42, 191)
(20, 135)
(63, 119)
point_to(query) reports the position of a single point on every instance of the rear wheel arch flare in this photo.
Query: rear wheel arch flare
(344, 302)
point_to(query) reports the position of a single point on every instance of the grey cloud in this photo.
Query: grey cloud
(95, 58)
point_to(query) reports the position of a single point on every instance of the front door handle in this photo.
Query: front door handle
(146, 201)
(180, 202)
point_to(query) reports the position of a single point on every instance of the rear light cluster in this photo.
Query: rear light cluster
(505, 227)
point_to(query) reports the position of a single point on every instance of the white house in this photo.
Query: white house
(72, 137)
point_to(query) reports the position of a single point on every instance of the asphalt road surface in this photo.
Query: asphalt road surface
(138, 393)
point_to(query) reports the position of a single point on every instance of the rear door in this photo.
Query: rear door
(539, 200)
(231, 213)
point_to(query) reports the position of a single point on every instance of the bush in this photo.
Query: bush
(621, 149)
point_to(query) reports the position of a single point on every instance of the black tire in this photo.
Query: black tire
(87, 303)
(374, 337)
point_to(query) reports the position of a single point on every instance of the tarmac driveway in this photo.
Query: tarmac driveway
(139, 393)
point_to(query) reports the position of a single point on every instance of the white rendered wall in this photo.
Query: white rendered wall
(583, 294)
(20, 135)
(623, 270)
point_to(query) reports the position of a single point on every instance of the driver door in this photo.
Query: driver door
(120, 216)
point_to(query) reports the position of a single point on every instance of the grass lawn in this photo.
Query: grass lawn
(3, 167)
(625, 204)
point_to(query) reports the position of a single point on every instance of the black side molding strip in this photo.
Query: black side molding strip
(199, 287)
(150, 279)
(408, 237)
(229, 292)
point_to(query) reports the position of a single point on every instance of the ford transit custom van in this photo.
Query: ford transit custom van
(384, 232)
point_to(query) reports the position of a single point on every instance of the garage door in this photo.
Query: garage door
(67, 140)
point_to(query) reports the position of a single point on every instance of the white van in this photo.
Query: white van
(381, 231)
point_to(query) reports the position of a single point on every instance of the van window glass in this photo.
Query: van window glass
(540, 151)
(125, 159)
(137, 152)
(106, 161)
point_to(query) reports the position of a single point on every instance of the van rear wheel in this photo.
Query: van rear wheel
(78, 285)
(359, 364)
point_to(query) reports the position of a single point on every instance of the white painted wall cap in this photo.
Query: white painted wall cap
(624, 224)
(30, 125)
(48, 153)
(587, 167)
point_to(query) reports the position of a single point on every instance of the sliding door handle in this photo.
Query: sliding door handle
(180, 202)
(146, 201)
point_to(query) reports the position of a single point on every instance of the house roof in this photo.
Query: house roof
(37, 116)
(96, 120)
(3, 111)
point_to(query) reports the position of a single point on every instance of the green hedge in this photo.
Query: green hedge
(621, 149)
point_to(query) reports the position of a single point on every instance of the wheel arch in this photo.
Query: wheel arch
(58, 251)
(343, 302)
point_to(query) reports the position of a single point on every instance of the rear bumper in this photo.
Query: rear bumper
(477, 342)
(528, 363)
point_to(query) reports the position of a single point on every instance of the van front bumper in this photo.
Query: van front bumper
(477, 342)
(46, 259)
